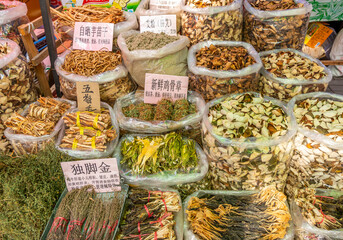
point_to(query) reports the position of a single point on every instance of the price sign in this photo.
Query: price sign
(158, 86)
(88, 96)
(163, 4)
(93, 36)
(159, 24)
(103, 174)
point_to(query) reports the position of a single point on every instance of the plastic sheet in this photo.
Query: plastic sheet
(337, 54)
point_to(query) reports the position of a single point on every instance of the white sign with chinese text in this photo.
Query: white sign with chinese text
(159, 24)
(158, 86)
(103, 174)
(93, 36)
(163, 4)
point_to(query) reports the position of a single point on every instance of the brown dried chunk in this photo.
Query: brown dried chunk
(208, 3)
(267, 5)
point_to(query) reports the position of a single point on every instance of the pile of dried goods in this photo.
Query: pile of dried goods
(156, 154)
(189, 188)
(150, 215)
(83, 214)
(4, 7)
(248, 140)
(287, 74)
(263, 215)
(163, 111)
(275, 5)
(88, 131)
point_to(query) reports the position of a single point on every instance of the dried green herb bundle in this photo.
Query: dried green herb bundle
(187, 189)
(259, 216)
(154, 154)
(163, 111)
(150, 215)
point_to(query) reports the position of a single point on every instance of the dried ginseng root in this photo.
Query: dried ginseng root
(264, 215)
(150, 215)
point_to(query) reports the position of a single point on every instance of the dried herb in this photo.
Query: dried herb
(268, 5)
(149, 41)
(189, 188)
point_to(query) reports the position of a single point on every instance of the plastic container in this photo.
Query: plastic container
(188, 233)
(212, 23)
(170, 59)
(212, 84)
(268, 30)
(141, 126)
(11, 19)
(163, 179)
(285, 88)
(248, 163)
(25, 144)
(80, 154)
(112, 84)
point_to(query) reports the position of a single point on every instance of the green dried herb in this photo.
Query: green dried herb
(164, 110)
(189, 188)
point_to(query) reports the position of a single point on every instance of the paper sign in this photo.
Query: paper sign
(159, 24)
(163, 4)
(159, 86)
(88, 96)
(93, 36)
(103, 174)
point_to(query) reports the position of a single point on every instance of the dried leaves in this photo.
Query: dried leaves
(267, 5)
(4, 49)
(208, 3)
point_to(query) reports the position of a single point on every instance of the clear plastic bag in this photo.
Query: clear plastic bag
(304, 230)
(170, 59)
(112, 84)
(269, 159)
(188, 233)
(283, 88)
(26, 144)
(313, 152)
(212, 23)
(11, 19)
(79, 154)
(268, 30)
(212, 84)
(337, 54)
(141, 126)
(163, 179)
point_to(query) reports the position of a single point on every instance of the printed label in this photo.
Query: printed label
(88, 96)
(163, 4)
(159, 24)
(317, 34)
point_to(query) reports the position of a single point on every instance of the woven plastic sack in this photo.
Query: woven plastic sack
(80, 154)
(228, 157)
(188, 233)
(25, 144)
(305, 230)
(212, 84)
(170, 59)
(112, 84)
(314, 151)
(11, 19)
(267, 30)
(163, 179)
(212, 23)
(283, 88)
(141, 126)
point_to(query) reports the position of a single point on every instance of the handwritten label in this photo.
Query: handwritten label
(158, 86)
(159, 24)
(163, 4)
(103, 174)
(88, 96)
(93, 36)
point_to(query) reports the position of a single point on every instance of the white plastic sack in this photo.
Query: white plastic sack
(12, 55)
(170, 59)
(188, 233)
(13, 13)
(337, 54)
(80, 154)
(163, 179)
(141, 126)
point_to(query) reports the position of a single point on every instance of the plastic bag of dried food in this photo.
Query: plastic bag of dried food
(305, 230)
(12, 15)
(212, 84)
(163, 178)
(157, 7)
(286, 88)
(170, 59)
(141, 126)
(189, 234)
(318, 157)
(248, 163)
(93, 154)
(337, 54)
(25, 144)
(212, 23)
(112, 84)
(268, 30)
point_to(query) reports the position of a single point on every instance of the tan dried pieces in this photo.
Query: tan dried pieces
(267, 5)
(208, 3)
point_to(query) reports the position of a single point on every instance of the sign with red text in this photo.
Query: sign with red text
(158, 86)
(103, 174)
(93, 36)
(158, 24)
